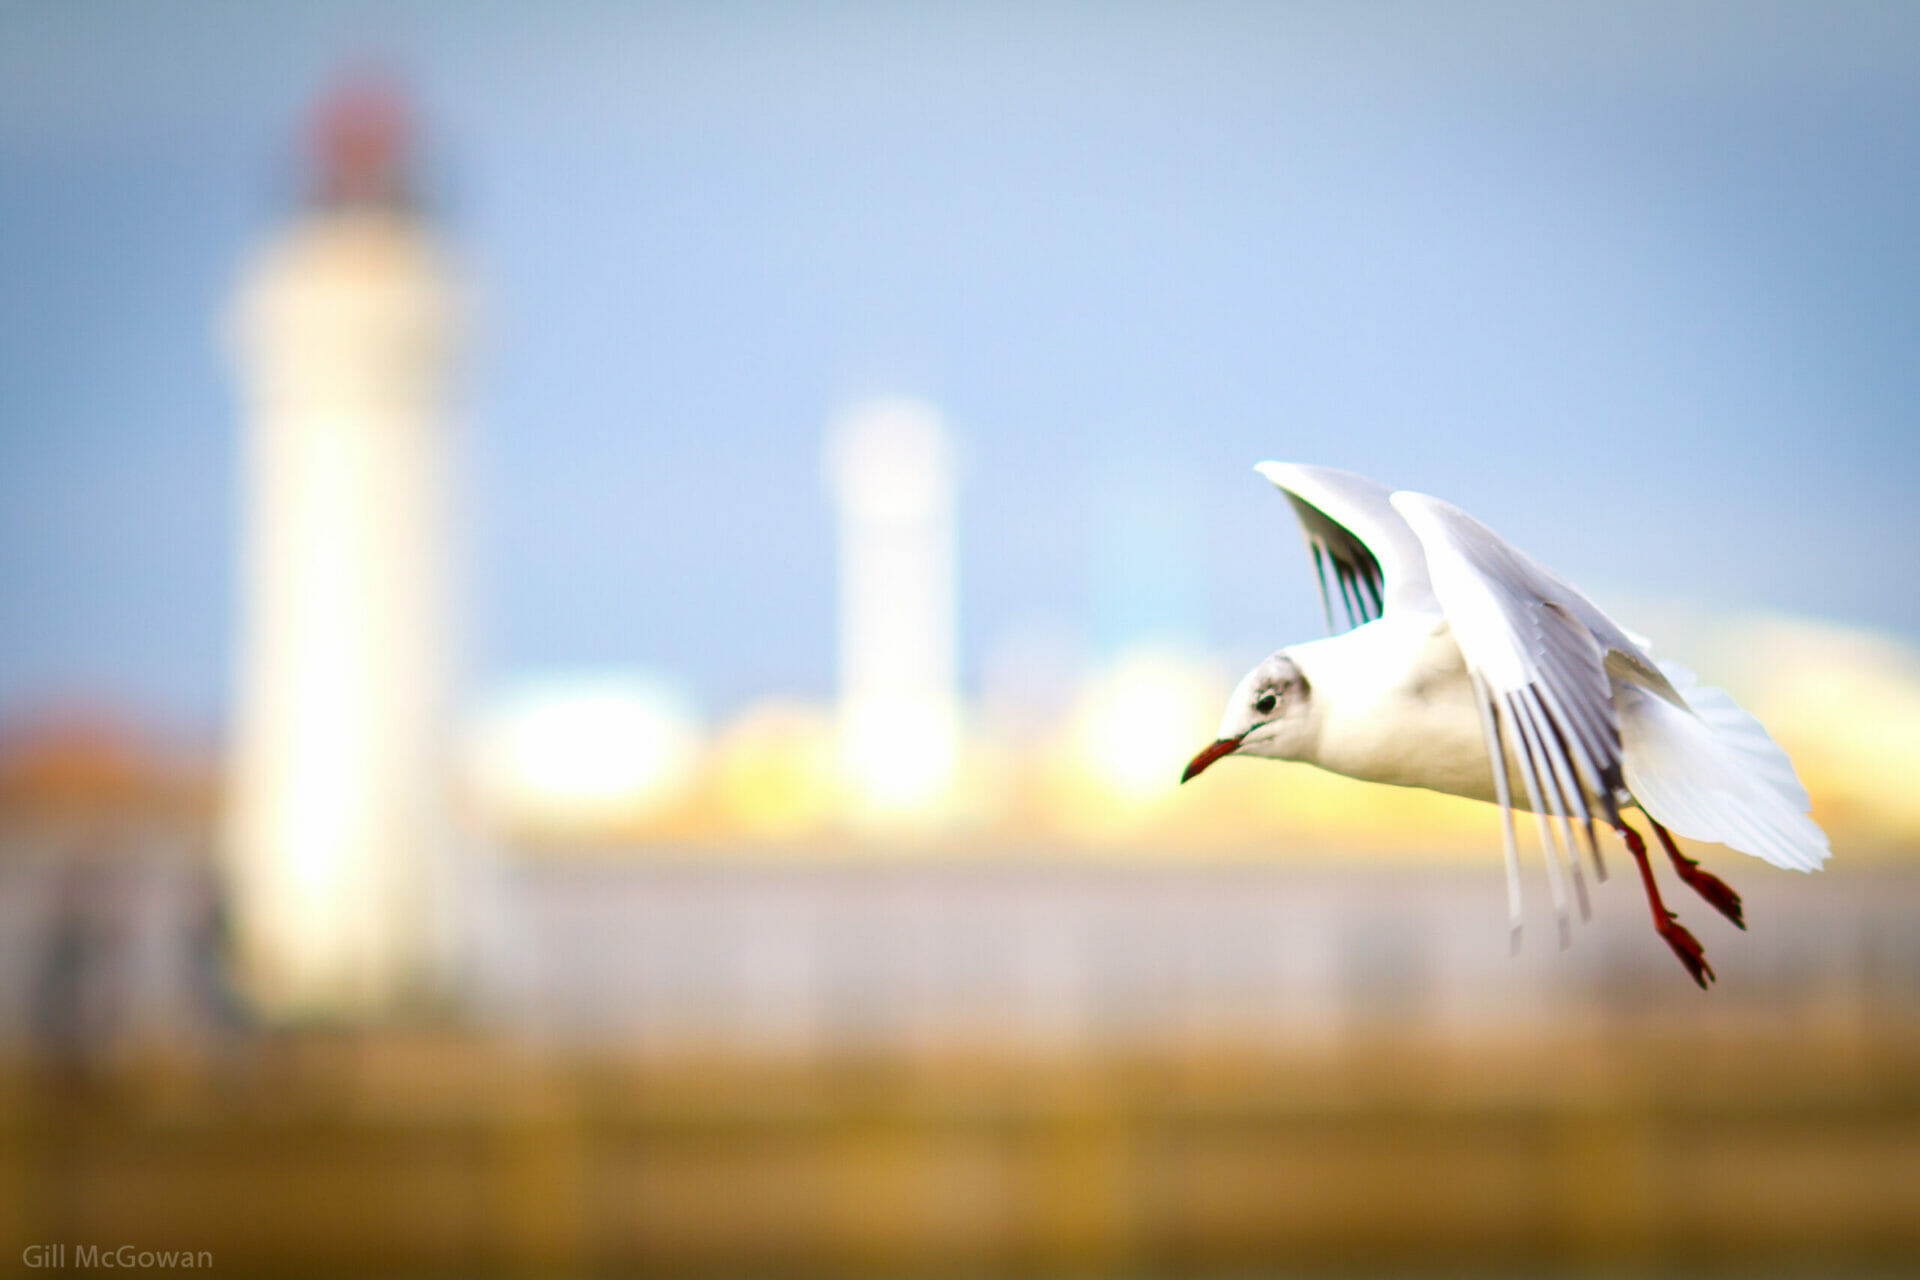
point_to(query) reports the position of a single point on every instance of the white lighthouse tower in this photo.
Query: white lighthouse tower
(338, 842)
(891, 468)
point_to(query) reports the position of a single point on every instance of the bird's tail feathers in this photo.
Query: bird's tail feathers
(1715, 774)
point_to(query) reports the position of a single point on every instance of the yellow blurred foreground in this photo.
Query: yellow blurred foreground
(1635, 1148)
(1048, 1067)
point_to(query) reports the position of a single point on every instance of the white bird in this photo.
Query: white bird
(1462, 650)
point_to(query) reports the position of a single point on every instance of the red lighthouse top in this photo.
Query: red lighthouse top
(361, 132)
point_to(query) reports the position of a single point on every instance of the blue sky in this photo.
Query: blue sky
(1637, 284)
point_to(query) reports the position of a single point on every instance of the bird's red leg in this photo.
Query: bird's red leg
(1665, 923)
(1708, 885)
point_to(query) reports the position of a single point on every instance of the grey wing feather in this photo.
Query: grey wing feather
(1544, 657)
(1364, 553)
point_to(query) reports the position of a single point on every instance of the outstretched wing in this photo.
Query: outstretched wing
(1542, 657)
(1362, 547)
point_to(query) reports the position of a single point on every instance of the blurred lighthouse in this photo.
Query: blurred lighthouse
(339, 848)
(891, 467)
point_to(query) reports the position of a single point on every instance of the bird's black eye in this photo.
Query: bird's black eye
(1266, 704)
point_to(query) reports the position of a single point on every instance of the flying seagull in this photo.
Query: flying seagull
(1461, 650)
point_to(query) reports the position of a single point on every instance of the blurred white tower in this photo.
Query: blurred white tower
(338, 838)
(891, 469)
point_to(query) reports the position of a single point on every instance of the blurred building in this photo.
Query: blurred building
(891, 469)
(337, 837)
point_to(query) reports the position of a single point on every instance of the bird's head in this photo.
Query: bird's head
(1268, 715)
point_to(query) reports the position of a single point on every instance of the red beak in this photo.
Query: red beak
(1210, 753)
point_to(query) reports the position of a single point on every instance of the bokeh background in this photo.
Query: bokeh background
(753, 953)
